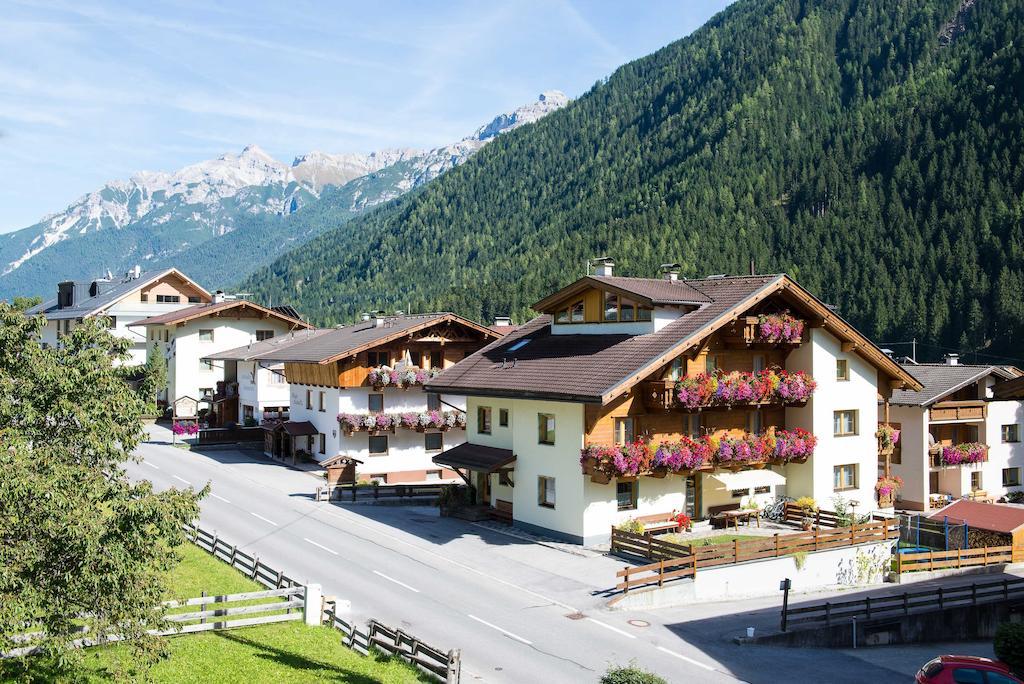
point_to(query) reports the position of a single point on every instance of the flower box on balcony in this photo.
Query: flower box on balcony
(688, 456)
(383, 377)
(773, 386)
(774, 329)
(376, 423)
(969, 453)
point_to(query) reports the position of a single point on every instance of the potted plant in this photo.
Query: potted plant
(684, 522)
(809, 507)
(886, 489)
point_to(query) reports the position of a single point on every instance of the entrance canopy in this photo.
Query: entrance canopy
(293, 428)
(476, 457)
(750, 478)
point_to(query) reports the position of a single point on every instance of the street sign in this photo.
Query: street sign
(186, 407)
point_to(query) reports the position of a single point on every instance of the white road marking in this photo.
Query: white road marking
(614, 629)
(219, 498)
(401, 584)
(321, 546)
(257, 515)
(503, 631)
(182, 480)
(689, 660)
(151, 465)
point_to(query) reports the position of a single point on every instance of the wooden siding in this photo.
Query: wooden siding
(312, 374)
(355, 371)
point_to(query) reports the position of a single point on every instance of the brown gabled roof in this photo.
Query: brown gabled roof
(598, 368)
(649, 291)
(1005, 518)
(339, 343)
(475, 457)
(202, 310)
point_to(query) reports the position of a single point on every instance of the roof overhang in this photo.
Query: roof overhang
(476, 457)
(830, 320)
(182, 316)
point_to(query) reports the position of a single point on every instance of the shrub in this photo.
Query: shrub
(1009, 645)
(632, 525)
(630, 674)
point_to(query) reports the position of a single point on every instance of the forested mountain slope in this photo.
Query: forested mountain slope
(870, 148)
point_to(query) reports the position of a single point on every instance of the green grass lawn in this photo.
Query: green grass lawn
(710, 541)
(278, 653)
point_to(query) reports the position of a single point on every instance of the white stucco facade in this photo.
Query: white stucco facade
(261, 386)
(407, 458)
(185, 344)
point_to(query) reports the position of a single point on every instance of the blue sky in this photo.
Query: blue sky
(90, 92)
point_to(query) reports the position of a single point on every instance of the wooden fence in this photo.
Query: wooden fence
(677, 560)
(443, 665)
(249, 565)
(958, 558)
(285, 606)
(646, 546)
(905, 603)
(655, 573)
(364, 491)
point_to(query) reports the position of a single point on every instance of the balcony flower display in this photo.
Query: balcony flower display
(377, 422)
(888, 436)
(970, 452)
(769, 386)
(686, 454)
(403, 379)
(743, 450)
(888, 486)
(791, 445)
(780, 327)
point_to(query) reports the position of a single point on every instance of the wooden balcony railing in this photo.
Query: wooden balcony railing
(958, 410)
(935, 457)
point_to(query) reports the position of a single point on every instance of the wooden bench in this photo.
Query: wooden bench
(717, 514)
(502, 511)
(658, 522)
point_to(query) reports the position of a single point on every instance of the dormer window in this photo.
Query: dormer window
(574, 313)
(618, 309)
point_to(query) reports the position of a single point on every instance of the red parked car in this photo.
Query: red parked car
(953, 669)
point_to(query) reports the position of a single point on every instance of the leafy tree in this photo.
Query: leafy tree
(154, 378)
(1009, 645)
(23, 303)
(80, 544)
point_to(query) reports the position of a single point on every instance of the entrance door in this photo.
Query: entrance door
(693, 504)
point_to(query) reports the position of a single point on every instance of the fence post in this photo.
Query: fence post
(625, 581)
(650, 550)
(867, 606)
(906, 604)
(202, 607)
(234, 550)
(736, 551)
(213, 546)
(815, 538)
(776, 544)
(255, 567)
(454, 667)
(312, 604)
(661, 572)
(899, 561)
(959, 558)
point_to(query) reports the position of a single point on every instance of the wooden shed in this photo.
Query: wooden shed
(988, 524)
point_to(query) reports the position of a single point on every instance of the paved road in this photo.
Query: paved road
(519, 611)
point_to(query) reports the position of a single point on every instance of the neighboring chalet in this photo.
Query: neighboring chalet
(357, 391)
(255, 390)
(123, 301)
(636, 396)
(959, 436)
(188, 337)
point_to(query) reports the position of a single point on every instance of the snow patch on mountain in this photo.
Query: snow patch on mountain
(211, 194)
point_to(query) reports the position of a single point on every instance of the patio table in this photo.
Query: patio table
(736, 516)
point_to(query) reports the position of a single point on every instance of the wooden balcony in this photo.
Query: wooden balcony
(958, 410)
(935, 457)
(660, 395)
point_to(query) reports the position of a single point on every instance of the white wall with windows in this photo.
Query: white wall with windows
(843, 415)
(384, 455)
(261, 385)
(185, 345)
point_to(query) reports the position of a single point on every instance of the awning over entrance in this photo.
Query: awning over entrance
(476, 457)
(749, 478)
(294, 428)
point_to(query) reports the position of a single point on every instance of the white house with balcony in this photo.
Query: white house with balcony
(124, 302)
(607, 406)
(188, 338)
(959, 437)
